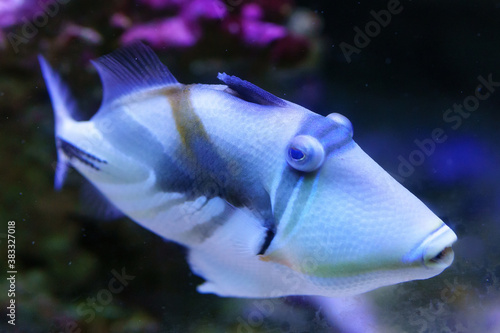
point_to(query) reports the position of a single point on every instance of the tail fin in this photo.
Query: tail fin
(64, 114)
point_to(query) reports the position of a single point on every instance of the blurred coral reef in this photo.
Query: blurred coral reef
(394, 91)
(162, 23)
(14, 11)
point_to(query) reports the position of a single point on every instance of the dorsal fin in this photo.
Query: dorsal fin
(131, 69)
(250, 92)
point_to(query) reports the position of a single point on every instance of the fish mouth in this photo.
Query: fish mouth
(435, 251)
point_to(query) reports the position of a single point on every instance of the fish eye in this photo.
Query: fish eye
(342, 120)
(305, 153)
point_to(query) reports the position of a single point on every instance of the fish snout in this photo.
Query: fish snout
(435, 252)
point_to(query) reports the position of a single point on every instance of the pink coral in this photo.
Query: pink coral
(162, 4)
(251, 28)
(171, 32)
(12, 11)
(186, 27)
(208, 9)
(183, 30)
(256, 32)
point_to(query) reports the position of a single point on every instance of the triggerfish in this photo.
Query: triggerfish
(269, 198)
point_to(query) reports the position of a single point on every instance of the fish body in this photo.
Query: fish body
(270, 198)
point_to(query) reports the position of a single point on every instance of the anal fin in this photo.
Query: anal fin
(96, 205)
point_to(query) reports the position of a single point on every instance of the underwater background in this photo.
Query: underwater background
(401, 71)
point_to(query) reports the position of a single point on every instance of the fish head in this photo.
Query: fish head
(347, 224)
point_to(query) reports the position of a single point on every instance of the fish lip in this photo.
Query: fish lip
(435, 251)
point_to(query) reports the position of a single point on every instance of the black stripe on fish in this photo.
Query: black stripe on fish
(267, 241)
(210, 168)
(71, 151)
(196, 167)
(206, 229)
